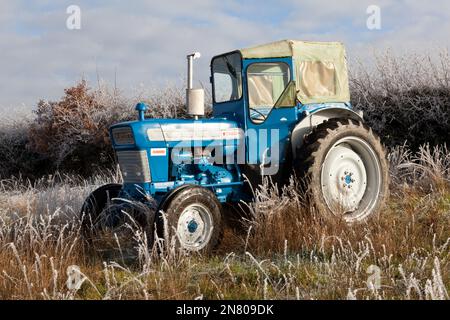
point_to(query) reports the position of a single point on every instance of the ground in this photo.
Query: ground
(287, 251)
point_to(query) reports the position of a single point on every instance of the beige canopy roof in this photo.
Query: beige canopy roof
(320, 68)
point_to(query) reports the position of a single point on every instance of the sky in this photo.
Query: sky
(144, 43)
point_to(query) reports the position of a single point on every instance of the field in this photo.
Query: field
(285, 251)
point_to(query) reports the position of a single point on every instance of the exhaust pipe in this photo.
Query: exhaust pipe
(195, 98)
(191, 58)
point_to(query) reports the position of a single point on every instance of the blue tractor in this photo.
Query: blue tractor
(279, 109)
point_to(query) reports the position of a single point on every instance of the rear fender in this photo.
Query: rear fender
(312, 120)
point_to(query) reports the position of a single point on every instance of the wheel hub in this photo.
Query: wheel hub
(194, 227)
(348, 179)
(343, 178)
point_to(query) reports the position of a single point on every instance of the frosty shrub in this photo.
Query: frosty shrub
(72, 134)
(405, 98)
(15, 157)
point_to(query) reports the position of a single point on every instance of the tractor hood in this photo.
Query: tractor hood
(163, 133)
(320, 68)
(146, 148)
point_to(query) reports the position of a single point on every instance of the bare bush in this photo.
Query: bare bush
(405, 98)
(72, 134)
(14, 156)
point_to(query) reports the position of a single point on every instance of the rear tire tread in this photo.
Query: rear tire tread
(320, 140)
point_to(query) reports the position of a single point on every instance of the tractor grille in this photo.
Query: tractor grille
(134, 166)
(123, 135)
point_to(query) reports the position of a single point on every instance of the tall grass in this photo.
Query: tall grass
(286, 252)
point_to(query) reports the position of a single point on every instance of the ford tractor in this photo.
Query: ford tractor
(278, 110)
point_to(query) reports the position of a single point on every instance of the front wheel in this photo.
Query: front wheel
(346, 169)
(105, 215)
(194, 218)
(94, 206)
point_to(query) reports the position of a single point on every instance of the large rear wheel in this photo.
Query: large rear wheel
(345, 168)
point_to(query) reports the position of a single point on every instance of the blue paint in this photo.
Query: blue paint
(348, 179)
(192, 226)
(314, 107)
(141, 108)
(272, 120)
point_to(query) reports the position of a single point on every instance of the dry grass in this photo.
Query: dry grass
(288, 252)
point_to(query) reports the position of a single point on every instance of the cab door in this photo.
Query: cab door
(270, 113)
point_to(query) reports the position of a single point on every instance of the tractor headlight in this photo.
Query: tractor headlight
(123, 135)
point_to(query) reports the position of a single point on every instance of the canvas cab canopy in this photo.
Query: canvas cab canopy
(320, 68)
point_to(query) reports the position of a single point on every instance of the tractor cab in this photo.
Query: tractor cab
(268, 89)
(251, 83)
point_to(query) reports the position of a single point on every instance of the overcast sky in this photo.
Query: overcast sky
(145, 42)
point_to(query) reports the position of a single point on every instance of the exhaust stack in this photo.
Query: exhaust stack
(195, 98)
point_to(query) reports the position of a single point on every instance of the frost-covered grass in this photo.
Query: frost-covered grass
(286, 252)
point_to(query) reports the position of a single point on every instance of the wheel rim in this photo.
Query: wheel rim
(351, 178)
(194, 228)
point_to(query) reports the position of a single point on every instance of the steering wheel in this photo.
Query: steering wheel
(264, 117)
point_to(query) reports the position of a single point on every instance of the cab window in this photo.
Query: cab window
(266, 82)
(227, 78)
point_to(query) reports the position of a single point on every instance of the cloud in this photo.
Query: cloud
(147, 41)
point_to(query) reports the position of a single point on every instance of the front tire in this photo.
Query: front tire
(345, 170)
(194, 218)
(94, 206)
(103, 212)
